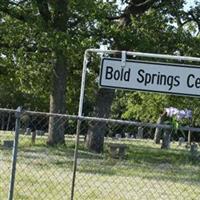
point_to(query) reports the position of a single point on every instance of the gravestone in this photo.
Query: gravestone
(133, 135)
(194, 149)
(33, 137)
(140, 133)
(157, 134)
(158, 131)
(39, 132)
(181, 140)
(21, 131)
(166, 139)
(127, 135)
(118, 136)
(117, 150)
(42, 133)
(28, 131)
(189, 137)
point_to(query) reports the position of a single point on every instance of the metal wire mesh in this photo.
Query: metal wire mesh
(7, 126)
(131, 165)
(144, 171)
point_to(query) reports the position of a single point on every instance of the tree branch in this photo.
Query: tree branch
(13, 14)
(60, 16)
(134, 8)
(27, 47)
(43, 8)
(195, 19)
(182, 23)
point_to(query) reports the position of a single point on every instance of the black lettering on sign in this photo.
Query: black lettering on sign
(189, 84)
(127, 75)
(141, 78)
(197, 83)
(177, 81)
(109, 71)
(193, 81)
(147, 79)
(122, 74)
(170, 80)
(116, 75)
(159, 79)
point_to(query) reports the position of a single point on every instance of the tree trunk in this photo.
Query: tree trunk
(166, 139)
(158, 131)
(57, 101)
(95, 136)
(96, 130)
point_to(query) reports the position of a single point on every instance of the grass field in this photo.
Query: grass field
(147, 172)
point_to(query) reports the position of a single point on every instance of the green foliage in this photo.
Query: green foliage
(159, 31)
(174, 169)
(30, 42)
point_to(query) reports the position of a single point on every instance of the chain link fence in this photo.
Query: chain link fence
(131, 165)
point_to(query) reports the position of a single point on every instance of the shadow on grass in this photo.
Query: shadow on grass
(175, 165)
(155, 155)
(142, 160)
(152, 171)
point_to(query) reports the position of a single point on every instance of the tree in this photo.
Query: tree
(48, 35)
(121, 35)
(42, 43)
(167, 38)
(149, 26)
(96, 131)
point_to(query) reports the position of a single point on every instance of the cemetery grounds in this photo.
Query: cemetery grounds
(146, 172)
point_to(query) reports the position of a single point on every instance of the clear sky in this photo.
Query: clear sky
(190, 3)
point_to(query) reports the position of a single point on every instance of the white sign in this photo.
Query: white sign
(153, 77)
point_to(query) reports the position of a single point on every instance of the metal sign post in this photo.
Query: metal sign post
(123, 63)
(14, 154)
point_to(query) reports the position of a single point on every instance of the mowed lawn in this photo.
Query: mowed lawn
(146, 173)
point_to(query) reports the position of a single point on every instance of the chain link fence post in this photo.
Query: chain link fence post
(75, 158)
(14, 153)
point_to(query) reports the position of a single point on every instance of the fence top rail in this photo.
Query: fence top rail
(8, 110)
(106, 120)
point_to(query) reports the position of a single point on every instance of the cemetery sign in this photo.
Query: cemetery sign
(149, 76)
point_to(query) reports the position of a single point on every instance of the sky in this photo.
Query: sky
(190, 3)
